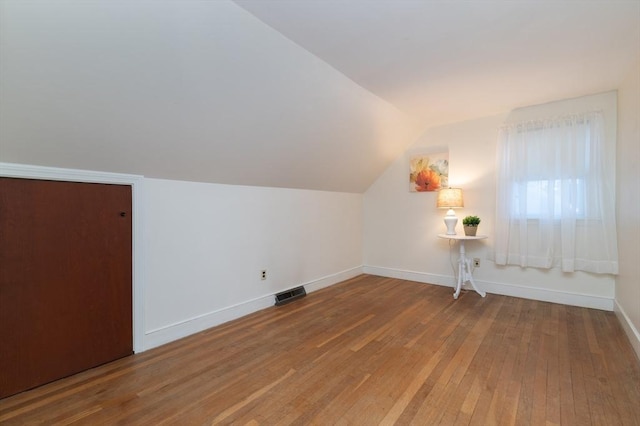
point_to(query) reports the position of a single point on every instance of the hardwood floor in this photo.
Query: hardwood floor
(367, 351)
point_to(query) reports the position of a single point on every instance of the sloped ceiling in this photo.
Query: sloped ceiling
(300, 94)
(448, 61)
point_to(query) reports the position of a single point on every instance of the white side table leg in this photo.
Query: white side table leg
(469, 277)
(464, 264)
(464, 273)
(460, 278)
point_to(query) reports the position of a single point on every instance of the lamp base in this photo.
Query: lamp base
(451, 221)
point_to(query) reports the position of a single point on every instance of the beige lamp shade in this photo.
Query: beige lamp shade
(450, 198)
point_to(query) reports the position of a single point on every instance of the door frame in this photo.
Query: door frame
(25, 171)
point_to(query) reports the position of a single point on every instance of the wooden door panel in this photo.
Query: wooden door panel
(65, 279)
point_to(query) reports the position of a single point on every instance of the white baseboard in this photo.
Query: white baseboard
(169, 333)
(525, 292)
(329, 280)
(628, 327)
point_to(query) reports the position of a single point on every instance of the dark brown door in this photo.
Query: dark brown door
(65, 279)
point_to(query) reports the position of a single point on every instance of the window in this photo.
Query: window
(555, 202)
(538, 197)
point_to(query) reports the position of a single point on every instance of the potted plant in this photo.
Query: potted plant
(471, 225)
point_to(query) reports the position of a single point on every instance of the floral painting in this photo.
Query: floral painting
(428, 172)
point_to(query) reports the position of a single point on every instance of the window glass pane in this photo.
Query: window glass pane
(544, 198)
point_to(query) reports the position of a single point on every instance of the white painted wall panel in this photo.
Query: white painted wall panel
(205, 244)
(628, 200)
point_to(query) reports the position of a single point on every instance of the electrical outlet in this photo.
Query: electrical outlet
(476, 262)
(263, 276)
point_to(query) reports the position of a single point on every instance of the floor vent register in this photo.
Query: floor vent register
(290, 295)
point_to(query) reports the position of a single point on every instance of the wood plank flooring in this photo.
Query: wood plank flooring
(367, 351)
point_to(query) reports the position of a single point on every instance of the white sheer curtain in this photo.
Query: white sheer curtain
(555, 196)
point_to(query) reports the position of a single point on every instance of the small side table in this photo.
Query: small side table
(464, 264)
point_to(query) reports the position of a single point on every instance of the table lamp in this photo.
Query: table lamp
(450, 198)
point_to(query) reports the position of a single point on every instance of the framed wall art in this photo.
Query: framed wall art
(428, 172)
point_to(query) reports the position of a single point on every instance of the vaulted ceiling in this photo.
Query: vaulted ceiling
(447, 61)
(300, 94)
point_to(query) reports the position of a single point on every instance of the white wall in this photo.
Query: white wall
(401, 228)
(205, 245)
(628, 200)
